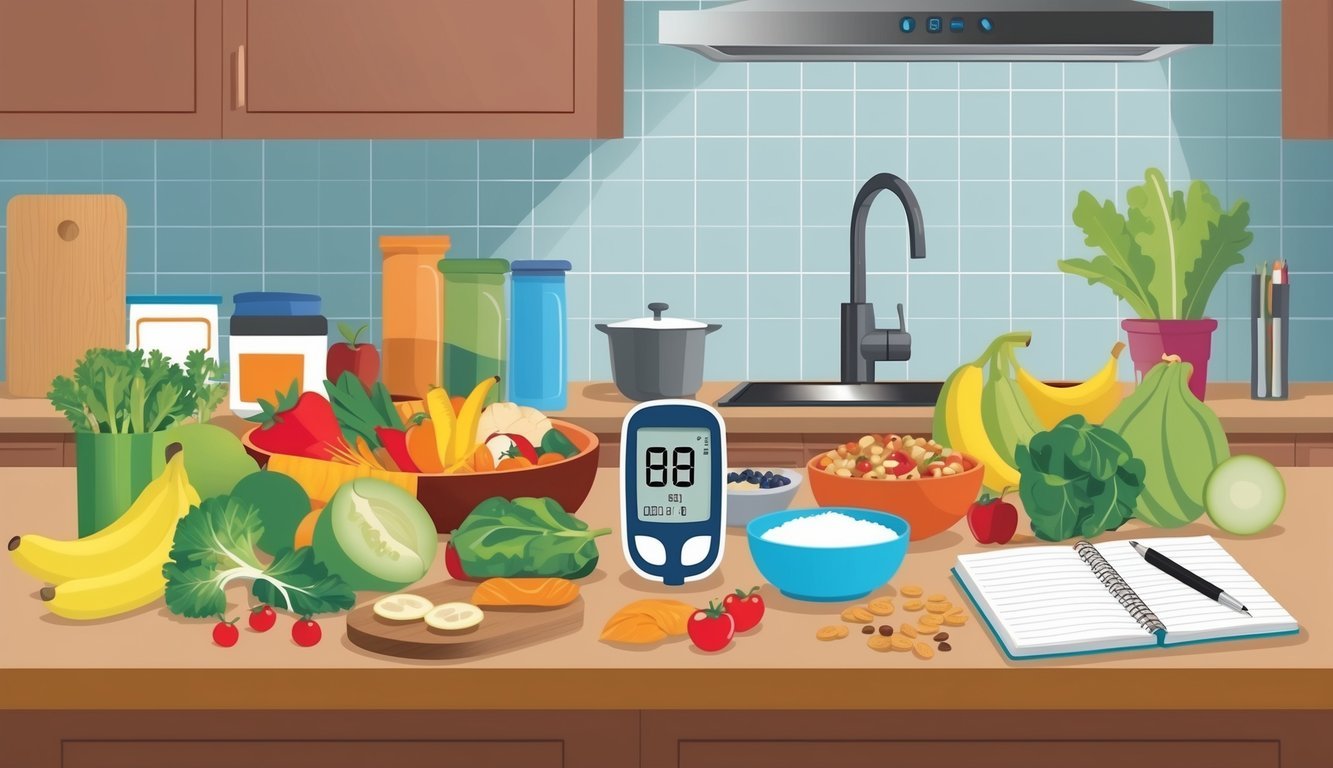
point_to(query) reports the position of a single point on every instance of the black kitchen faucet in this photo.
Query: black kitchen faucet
(863, 344)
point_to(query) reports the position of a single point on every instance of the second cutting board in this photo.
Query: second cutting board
(65, 285)
(502, 629)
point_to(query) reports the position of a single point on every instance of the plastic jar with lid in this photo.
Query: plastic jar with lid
(277, 340)
(475, 323)
(538, 334)
(413, 346)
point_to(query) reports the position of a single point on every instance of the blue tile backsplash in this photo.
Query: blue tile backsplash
(730, 196)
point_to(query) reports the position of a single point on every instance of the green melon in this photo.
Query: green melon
(375, 536)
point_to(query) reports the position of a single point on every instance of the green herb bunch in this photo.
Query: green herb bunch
(1167, 255)
(125, 391)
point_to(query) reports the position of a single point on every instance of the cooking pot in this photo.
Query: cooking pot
(656, 357)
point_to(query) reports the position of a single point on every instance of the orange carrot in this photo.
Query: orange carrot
(549, 458)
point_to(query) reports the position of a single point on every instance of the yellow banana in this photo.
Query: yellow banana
(113, 593)
(1005, 412)
(967, 431)
(441, 412)
(124, 543)
(1094, 398)
(465, 432)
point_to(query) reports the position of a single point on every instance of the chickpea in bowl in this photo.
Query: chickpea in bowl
(893, 457)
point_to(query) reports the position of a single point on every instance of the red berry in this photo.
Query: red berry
(225, 633)
(262, 618)
(306, 632)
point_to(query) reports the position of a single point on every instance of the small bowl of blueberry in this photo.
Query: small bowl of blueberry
(755, 492)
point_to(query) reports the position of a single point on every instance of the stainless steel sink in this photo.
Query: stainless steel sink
(805, 393)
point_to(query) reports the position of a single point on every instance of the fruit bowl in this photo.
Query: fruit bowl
(930, 504)
(451, 498)
(827, 574)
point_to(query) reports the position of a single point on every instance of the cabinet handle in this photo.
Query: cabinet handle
(239, 77)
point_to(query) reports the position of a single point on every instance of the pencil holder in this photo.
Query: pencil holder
(1270, 327)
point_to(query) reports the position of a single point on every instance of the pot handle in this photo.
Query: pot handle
(603, 327)
(711, 327)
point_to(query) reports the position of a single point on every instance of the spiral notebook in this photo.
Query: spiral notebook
(1090, 598)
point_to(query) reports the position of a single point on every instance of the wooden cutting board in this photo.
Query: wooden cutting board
(502, 629)
(65, 285)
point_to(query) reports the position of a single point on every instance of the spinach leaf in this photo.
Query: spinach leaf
(1077, 479)
(525, 537)
(215, 545)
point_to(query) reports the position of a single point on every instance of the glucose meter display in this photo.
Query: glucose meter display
(674, 482)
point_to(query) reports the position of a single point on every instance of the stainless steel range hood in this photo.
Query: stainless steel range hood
(935, 30)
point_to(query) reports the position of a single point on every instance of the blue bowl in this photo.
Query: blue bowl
(827, 574)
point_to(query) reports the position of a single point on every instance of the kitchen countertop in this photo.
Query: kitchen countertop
(599, 407)
(152, 660)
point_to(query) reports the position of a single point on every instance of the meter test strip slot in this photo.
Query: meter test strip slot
(673, 458)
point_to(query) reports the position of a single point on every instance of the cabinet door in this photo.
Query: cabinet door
(1307, 69)
(318, 68)
(149, 68)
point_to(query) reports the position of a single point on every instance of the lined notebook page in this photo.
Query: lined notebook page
(1044, 600)
(1188, 615)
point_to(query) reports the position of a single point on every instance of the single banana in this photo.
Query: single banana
(1005, 411)
(124, 543)
(967, 430)
(113, 593)
(468, 418)
(1094, 398)
(441, 413)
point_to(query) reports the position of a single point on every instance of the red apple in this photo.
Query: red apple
(992, 519)
(361, 360)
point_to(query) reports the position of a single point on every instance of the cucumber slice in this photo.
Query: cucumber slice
(1244, 495)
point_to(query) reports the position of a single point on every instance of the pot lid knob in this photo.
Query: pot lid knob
(657, 308)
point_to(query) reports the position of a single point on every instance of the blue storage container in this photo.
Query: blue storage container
(275, 304)
(539, 334)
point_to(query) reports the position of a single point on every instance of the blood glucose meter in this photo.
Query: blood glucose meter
(673, 490)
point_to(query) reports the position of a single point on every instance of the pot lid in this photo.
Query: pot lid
(657, 322)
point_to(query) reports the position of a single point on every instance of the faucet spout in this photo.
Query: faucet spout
(861, 212)
(863, 344)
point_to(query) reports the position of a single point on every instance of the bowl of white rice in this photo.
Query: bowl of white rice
(828, 554)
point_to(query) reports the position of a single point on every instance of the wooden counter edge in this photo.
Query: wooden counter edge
(633, 689)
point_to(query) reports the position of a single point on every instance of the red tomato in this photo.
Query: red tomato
(746, 608)
(225, 633)
(711, 628)
(863, 466)
(306, 632)
(262, 618)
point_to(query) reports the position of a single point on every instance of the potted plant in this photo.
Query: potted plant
(1164, 259)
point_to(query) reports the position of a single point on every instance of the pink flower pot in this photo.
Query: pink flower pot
(1191, 340)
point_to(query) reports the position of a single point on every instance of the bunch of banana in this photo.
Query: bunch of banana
(982, 413)
(455, 436)
(1094, 398)
(119, 568)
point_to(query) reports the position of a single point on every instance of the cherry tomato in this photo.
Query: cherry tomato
(262, 618)
(746, 608)
(904, 466)
(306, 632)
(225, 633)
(863, 466)
(711, 628)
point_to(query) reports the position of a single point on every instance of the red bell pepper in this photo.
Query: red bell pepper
(395, 442)
(300, 424)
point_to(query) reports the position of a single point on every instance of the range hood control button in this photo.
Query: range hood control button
(986, 24)
(935, 24)
(956, 24)
(907, 24)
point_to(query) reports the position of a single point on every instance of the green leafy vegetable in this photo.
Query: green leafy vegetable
(118, 391)
(215, 545)
(360, 412)
(204, 373)
(1078, 479)
(1166, 256)
(525, 537)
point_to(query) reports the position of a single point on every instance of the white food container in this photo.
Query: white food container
(176, 325)
(268, 354)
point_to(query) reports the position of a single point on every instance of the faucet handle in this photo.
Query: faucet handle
(902, 319)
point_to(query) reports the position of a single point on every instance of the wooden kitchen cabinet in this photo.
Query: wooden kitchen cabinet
(1307, 69)
(423, 68)
(91, 68)
(311, 69)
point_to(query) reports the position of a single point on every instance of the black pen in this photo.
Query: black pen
(1187, 577)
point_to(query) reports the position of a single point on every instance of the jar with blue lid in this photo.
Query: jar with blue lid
(277, 340)
(539, 334)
